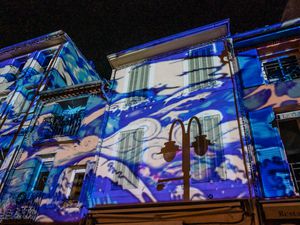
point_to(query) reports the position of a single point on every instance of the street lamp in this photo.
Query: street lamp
(169, 152)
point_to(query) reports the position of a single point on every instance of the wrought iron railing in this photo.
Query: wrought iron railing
(295, 170)
(66, 124)
(281, 69)
(21, 206)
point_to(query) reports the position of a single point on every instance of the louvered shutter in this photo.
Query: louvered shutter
(200, 68)
(138, 80)
(273, 166)
(129, 155)
(250, 68)
(204, 166)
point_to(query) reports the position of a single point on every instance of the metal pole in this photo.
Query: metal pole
(186, 166)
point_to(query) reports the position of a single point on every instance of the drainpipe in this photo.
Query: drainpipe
(231, 59)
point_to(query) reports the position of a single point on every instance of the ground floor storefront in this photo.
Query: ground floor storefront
(238, 212)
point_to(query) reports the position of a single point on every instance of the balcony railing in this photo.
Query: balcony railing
(295, 170)
(66, 124)
(20, 207)
(282, 69)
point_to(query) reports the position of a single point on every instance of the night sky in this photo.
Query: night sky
(102, 27)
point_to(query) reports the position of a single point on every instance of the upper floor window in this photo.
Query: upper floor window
(43, 174)
(129, 155)
(138, 80)
(77, 182)
(3, 154)
(67, 120)
(200, 66)
(282, 68)
(203, 167)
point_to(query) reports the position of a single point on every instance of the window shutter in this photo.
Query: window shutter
(204, 166)
(130, 149)
(272, 163)
(138, 80)
(251, 69)
(200, 67)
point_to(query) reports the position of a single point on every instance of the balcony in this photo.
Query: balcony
(62, 125)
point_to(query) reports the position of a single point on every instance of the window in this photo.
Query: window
(3, 154)
(77, 184)
(67, 121)
(282, 68)
(43, 173)
(200, 68)
(130, 150)
(138, 80)
(289, 126)
(203, 167)
(41, 181)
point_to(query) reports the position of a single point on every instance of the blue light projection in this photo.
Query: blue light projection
(35, 89)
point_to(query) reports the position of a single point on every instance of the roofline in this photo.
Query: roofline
(44, 41)
(265, 30)
(170, 43)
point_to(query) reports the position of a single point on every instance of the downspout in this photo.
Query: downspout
(231, 57)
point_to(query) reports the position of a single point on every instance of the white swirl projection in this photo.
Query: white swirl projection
(108, 169)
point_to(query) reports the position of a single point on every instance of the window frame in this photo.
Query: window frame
(44, 160)
(72, 178)
(277, 122)
(283, 76)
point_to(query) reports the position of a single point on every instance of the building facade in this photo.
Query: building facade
(51, 110)
(269, 72)
(201, 127)
(174, 79)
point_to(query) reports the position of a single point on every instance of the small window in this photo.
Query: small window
(129, 156)
(282, 69)
(43, 174)
(138, 81)
(203, 167)
(200, 65)
(77, 184)
(3, 154)
(41, 181)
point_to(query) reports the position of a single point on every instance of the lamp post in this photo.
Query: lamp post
(169, 152)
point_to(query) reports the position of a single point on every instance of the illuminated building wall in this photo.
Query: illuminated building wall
(177, 77)
(51, 113)
(269, 72)
(69, 144)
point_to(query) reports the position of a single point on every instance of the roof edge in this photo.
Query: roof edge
(170, 43)
(31, 45)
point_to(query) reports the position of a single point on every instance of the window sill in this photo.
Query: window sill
(71, 203)
(57, 140)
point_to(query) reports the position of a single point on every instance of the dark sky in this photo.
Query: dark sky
(102, 27)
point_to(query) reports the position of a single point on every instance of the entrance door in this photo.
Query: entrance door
(289, 126)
